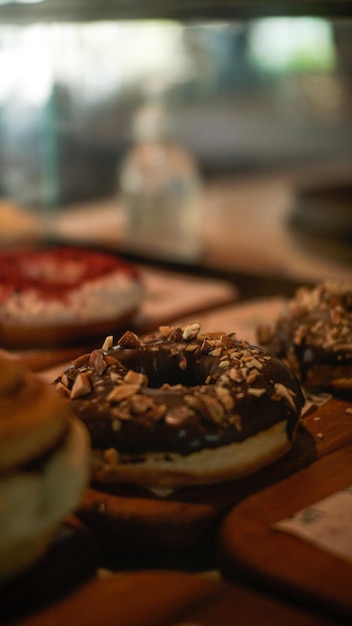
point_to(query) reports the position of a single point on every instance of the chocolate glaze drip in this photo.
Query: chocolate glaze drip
(180, 391)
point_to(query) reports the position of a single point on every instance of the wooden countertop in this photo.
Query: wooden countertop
(181, 591)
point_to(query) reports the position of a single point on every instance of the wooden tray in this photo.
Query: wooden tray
(249, 549)
(161, 598)
(133, 520)
(70, 560)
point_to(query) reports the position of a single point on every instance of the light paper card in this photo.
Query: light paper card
(326, 524)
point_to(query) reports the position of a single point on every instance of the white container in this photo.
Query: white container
(160, 192)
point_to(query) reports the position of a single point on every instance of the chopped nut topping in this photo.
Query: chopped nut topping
(108, 343)
(224, 379)
(253, 363)
(182, 363)
(337, 314)
(122, 392)
(141, 404)
(166, 330)
(191, 331)
(115, 376)
(213, 409)
(122, 413)
(110, 360)
(65, 381)
(129, 340)
(193, 402)
(228, 340)
(216, 352)
(283, 392)
(252, 376)
(206, 346)
(96, 360)
(81, 387)
(62, 388)
(178, 416)
(176, 335)
(236, 375)
(244, 371)
(225, 397)
(158, 412)
(191, 347)
(256, 391)
(136, 378)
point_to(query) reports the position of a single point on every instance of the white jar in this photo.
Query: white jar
(160, 191)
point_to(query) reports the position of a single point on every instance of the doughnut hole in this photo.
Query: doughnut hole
(188, 369)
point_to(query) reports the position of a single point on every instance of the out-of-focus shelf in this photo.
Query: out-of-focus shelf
(89, 10)
(245, 235)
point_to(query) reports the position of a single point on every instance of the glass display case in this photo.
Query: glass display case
(259, 99)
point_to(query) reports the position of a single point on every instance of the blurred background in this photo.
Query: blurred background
(257, 112)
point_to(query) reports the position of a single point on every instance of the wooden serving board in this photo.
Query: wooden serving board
(165, 598)
(70, 560)
(249, 548)
(133, 520)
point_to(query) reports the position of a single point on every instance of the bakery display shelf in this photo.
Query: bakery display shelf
(55, 11)
(250, 282)
(249, 548)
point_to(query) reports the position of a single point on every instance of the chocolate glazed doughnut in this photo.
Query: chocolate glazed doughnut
(183, 408)
(313, 335)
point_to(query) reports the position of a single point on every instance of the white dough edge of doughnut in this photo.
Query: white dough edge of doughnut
(211, 465)
(34, 503)
(99, 299)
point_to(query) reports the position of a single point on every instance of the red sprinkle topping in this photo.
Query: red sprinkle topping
(55, 271)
